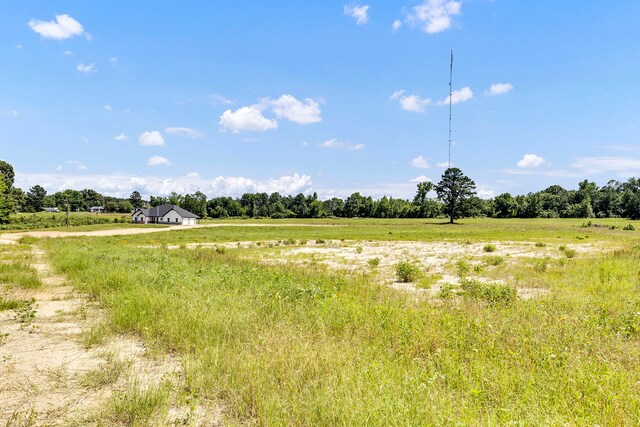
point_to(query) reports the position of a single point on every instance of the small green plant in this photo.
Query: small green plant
(220, 249)
(489, 248)
(493, 260)
(407, 272)
(629, 227)
(359, 249)
(463, 267)
(493, 293)
(540, 244)
(446, 291)
(478, 268)
(320, 242)
(373, 262)
(562, 248)
(289, 242)
(570, 253)
(540, 264)
(428, 280)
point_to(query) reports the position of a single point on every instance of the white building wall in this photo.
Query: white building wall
(139, 218)
(171, 217)
(189, 221)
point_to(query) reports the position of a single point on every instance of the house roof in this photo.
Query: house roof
(162, 210)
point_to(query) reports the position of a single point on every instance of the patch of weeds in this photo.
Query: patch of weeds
(3, 337)
(138, 405)
(303, 241)
(428, 280)
(407, 272)
(446, 291)
(562, 248)
(25, 315)
(493, 260)
(489, 248)
(27, 240)
(320, 242)
(289, 242)
(359, 249)
(106, 374)
(11, 304)
(540, 264)
(21, 274)
(569, 253)
(540, 244)
(373, 262)
(478, 268)
(629, 227)
(464, 267)
(96, 335)
(221, 249)
(587, 224)
(23, 418)
(493, 293)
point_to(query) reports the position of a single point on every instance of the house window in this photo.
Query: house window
(176, 219)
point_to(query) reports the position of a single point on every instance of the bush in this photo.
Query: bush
(493, 293)
(570, 253)
(373, 262)
(407, 272)
(629, 227)
(540, 244)
(489, 248)
(493, 260)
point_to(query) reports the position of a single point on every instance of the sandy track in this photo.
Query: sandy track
(9, 238)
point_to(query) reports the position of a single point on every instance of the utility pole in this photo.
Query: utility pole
(450, 96)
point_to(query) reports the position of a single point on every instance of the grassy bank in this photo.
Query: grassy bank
(282, 345)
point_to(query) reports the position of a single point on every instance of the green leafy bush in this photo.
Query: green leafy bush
(373, 262)
(407, 272)
(493, 293)
(489, 248)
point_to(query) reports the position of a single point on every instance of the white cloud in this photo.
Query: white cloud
(183, 131)
(531, 161)
(246, 119)
(359, 13)
(193, 175)
(85, 140)
(397, 24)
(59, 167)
(18, 46)
(78, 165)
(420, 162)
(458, 96)
(607, 164)
(10, 113)
(434, 16)
(337, 144)
(419, 179)
(108, 107)
(151, 138)
(113, 60)
(412, 103)
(305, 144)
(290, 108)
(86, 68)
(68, 52)
(158, 161)
(219, 99)
(121, 137)
(62, 28)
(499, 88)
(442, 164)
(122, 185)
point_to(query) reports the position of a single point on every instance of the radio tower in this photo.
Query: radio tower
(450, 95)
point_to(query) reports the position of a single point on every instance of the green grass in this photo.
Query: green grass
(19, 274)
(286, 345)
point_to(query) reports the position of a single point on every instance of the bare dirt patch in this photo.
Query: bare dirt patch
(50, 378)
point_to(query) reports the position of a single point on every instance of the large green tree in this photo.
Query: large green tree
(35, 199)
(453, 190)
(6, 170)
(6, 203)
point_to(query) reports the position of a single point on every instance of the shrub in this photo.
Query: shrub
(493, 260)
(373, 262)
(220, 249)
(446, 291)
(463, 267)
(629, 227)
(359, 250)
(320, 242)
(493, 293)
(540, 244)
(570, 253)
(407, 272)
(489, 248)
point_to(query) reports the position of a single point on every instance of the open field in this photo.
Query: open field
(506, 321)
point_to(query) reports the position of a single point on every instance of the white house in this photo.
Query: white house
(96, 209)
(164, 214)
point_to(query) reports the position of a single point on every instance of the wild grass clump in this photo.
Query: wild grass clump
(20, 274)
(12, 304)
(489, 248)
(540, 244)
(140, 405)
(569, 253)
(629, 227)
(493, 293)
(373, 262)
(493, 260)
(407, 272)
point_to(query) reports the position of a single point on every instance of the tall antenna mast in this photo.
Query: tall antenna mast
(450, 96)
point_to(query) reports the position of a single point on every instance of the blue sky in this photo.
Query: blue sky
(227, 97)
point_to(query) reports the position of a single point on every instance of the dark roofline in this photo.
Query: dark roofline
(162, 210)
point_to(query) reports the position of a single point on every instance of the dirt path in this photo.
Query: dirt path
(9, 238)
(48, 377)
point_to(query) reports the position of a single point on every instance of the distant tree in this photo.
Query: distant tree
(35, 199)
(423, 206)
(505, 206)
(91, 198)
(157, 201)
(136, 200)
(6, 170)
(453, 189)
(6, 203)
(71, 198)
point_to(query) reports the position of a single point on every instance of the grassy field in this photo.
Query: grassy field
(78, 221)
(294, 344)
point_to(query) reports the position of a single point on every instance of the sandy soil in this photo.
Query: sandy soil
(44, 366)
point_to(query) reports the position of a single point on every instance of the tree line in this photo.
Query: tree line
(455, 198)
